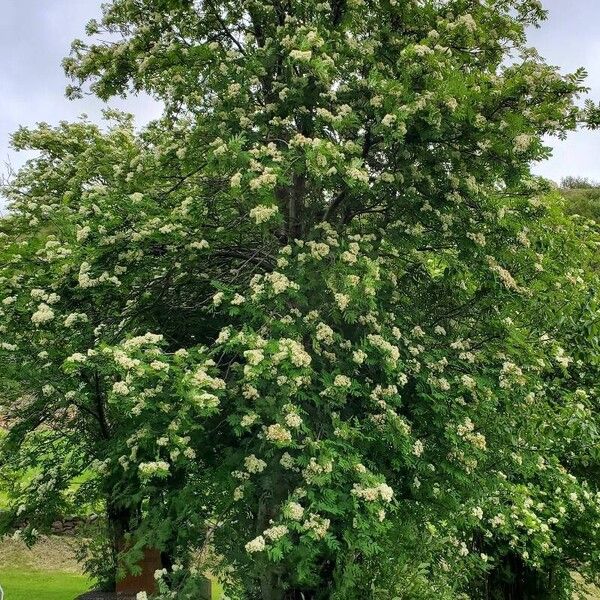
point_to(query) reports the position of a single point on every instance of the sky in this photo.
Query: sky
(36, 34)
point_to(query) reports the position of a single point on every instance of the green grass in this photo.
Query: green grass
(28, 585)
(48, 571)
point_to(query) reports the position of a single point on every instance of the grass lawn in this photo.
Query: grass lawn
(48, 571)
(27, 585)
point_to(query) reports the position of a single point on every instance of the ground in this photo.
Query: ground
(46, 572)
(49, 571)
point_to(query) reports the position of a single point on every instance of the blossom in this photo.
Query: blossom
(342, 300)
(218, 298)
(388, 120)
(522, 142)
(296, 352)
(263, 213)
(294, 511)
(199, 245)
(371, 494)
(358, 174)
(359, 356)
(342, 381)
(204, 400)
(73, 318)
(279, 282)
(236, 180)
(468, 382)
(379, 342)
(314, 469)
(418, 448)
(249, 420)
(223, 336)
(254, 357)
(120, 388)
(286, 461)
(254, 465)
(317, 525)
(43, 314)
(293, 420)
(507, 279)
(477, 512)
(266, 179)
(318, 250)
(256, 545)
(301, 55)
(276, 532)
(83, 233)
(278, 433)
(468, 21)
(324, 333)
(158, 468)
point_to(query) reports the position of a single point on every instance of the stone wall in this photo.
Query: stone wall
(69, 525)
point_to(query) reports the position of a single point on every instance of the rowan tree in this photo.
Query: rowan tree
(320, 318)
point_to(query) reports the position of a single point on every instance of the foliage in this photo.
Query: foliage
(320, 316)
(584, 202)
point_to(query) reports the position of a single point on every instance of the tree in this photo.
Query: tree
(577, 183)
(319, 317)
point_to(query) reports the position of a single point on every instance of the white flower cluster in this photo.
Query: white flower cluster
(159, 468)
(314, 469)
(256, 545)
(265, 179)
(467, 431)
(372, 494)
(510, 375)
(324, 333)
(263, 213)
(125, 361)
(249, 420)
(74, 318)
(142, 340)
(294, 350)
(418, 448)
(342, 300)
(294, 511)
(275, 533)
(254, 465)
(280, 282)
(120, 388)
(386, 347)
(301, 55)
(318, 250)
(317, 525)
(507, 279)
(43, 314)
(359, 357)
(254, 357)
(293, 420)
(522, 142)
(278, 433)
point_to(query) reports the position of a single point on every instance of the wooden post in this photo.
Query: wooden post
(130, 585)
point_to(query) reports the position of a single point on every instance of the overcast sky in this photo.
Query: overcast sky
(35, 35)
